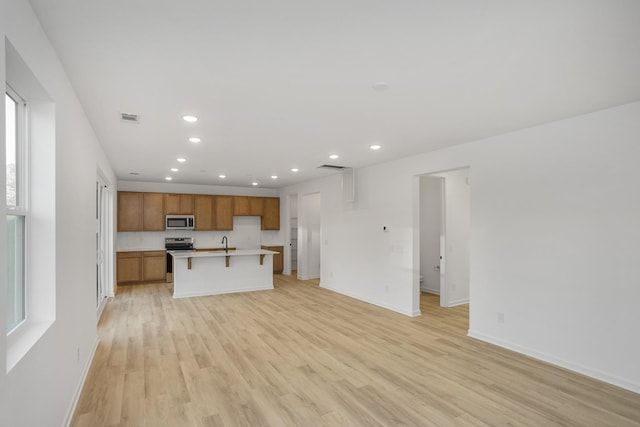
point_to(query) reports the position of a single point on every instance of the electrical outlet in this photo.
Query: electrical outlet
(500, 317)
(386, 288)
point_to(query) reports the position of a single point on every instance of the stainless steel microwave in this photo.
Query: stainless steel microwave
(180, 222)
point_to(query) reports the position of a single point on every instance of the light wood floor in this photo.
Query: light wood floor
(304, 356)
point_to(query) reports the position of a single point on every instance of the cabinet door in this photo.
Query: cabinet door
(178, 204)
(256, 206)
(240, 205)
(154, 265)
(129, 267)
(129, 211)
(153, 219)
(223, 212)
(203, 211)
(271, 214)
(278, 259)
(186, 204)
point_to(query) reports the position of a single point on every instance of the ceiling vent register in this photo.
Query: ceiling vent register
(130, 118)
(332, 167)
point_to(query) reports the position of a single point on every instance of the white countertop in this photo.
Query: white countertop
(142, 249)
(202, 254)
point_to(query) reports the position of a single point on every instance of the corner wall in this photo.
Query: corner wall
(554, 230)
(41, 388)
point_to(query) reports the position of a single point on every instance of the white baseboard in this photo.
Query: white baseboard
(415, 313)
(222, 291)
(83, 378)
(458, 302)
(545, 357)
(430, 291)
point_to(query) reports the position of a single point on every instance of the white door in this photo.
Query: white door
(102, 242)
(441, 268)
(309, 244)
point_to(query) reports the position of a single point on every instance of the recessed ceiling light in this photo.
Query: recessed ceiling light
(294, 169)
(274, 176)
(168, 178)
(174, 169)
(190, 119)
(254, 183)
(181, 159)
(380, 86)
(375, 147)
(333, 156)
(194, 139)
(222, 176)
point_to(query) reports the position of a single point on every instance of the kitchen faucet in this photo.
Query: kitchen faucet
(225, 242)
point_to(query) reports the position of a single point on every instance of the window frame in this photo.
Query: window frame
(21, 208)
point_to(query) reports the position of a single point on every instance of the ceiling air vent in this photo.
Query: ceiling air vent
(130, 118)
(332, 167)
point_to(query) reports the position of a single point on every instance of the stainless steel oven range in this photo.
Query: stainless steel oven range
(176, 244)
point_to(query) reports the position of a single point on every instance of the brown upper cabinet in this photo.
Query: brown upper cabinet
(153, 212)
(223, 208)
(241, 205)
(146, 211)
(140, 211)
(248, 206)
(179, 204)
(129, 211)
(256, 206)
(271, 213)
(204, 212)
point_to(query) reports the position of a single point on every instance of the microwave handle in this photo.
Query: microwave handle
(191, 222)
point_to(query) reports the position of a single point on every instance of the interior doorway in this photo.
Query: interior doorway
(444, 222)
(431, 233)
(309, 241)
(293, 234)
(103, 233)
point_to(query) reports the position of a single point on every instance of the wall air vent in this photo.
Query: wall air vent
(130, 118)
(332, 167)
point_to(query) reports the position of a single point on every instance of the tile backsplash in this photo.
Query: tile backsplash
(246, 234)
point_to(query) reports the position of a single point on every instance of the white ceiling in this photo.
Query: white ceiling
(284, 83)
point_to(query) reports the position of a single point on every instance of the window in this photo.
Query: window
(15, 140)
(30, 255)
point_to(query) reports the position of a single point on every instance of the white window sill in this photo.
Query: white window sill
(20, 341)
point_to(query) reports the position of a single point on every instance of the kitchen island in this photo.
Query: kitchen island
(198, 273)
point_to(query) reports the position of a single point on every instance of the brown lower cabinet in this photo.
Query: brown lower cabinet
(278, 259)
(141, 266)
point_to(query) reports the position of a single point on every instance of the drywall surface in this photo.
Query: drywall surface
(40, 389)
(553, 239)
(221, 190)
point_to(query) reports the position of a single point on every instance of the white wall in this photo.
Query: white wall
(40, 389)
(553, 247)
(223, 190)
